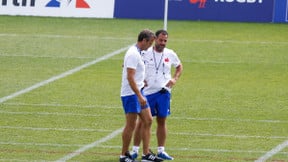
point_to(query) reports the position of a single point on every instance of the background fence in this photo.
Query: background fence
(208, 10)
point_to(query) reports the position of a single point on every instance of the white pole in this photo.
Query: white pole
(165, 14)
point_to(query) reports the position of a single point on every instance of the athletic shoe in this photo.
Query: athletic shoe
(151, 157)
(164, 156)
(133, 154)
(127, 158)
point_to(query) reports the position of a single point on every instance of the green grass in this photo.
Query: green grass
(230, 104)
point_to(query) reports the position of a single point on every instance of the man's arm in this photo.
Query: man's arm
(178, 72)
(176, 76)
(133, 85)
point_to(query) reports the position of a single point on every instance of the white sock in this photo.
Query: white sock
(135, 149)
(161, 149)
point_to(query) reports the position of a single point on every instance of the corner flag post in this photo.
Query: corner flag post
(165, 14)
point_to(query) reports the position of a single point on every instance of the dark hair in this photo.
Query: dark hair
(145, 34)
(161, 31)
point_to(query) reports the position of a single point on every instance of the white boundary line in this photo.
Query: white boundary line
(61, 129)
(178, 133)
(127, 38)
(63, 105)
(55, 114)
(174, 118)
(86, 147)
(62, 36)
(272, 152)
(119, 147)
(50, 57)
(69, 72)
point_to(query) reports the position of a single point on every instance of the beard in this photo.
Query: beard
(159, 48)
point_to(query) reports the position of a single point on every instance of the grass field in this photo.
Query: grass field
(60, 90)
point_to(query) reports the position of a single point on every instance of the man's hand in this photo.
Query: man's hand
(142, 100)
(171, 83)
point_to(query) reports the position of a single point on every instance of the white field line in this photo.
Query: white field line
(230, 41)
(62, 36)
(67, 105)
(202, 149)
(112, 38)
(55, 114)
(172, 118)
(57, 129)
(18, 160)
(228, 62)
(186, 61)
(50, 57)
(117, 107)
(69, 72)
(172, 133)
(119, 147)
(89, 146)
(272, 152)
(231, 120)
(226, 135)
(40, 144)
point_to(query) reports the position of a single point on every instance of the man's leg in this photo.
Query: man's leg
(128, 131)
(138, 133)
(146, 122)
(137, 139)
(161, 132)
(161, 138)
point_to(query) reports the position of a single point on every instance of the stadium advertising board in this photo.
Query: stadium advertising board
(58, 8)
(216, 10)
(210, 10)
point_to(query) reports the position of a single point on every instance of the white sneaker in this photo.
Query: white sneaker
(163, 155)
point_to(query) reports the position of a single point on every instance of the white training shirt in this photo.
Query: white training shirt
(158, 68)
(132, 59)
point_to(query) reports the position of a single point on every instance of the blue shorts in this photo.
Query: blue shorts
(131, 104)
(159, 103)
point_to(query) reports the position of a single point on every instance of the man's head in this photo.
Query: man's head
(161, 40)
(145, 39)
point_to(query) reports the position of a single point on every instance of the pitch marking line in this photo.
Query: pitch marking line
(89, 146)
(274, 151)
(62, 36)
(64, 105)
(128, 38)
(54, 78)
(42, 129)
(174, 118)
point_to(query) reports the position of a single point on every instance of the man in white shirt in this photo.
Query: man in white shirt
(133, 101)
(158, 62)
